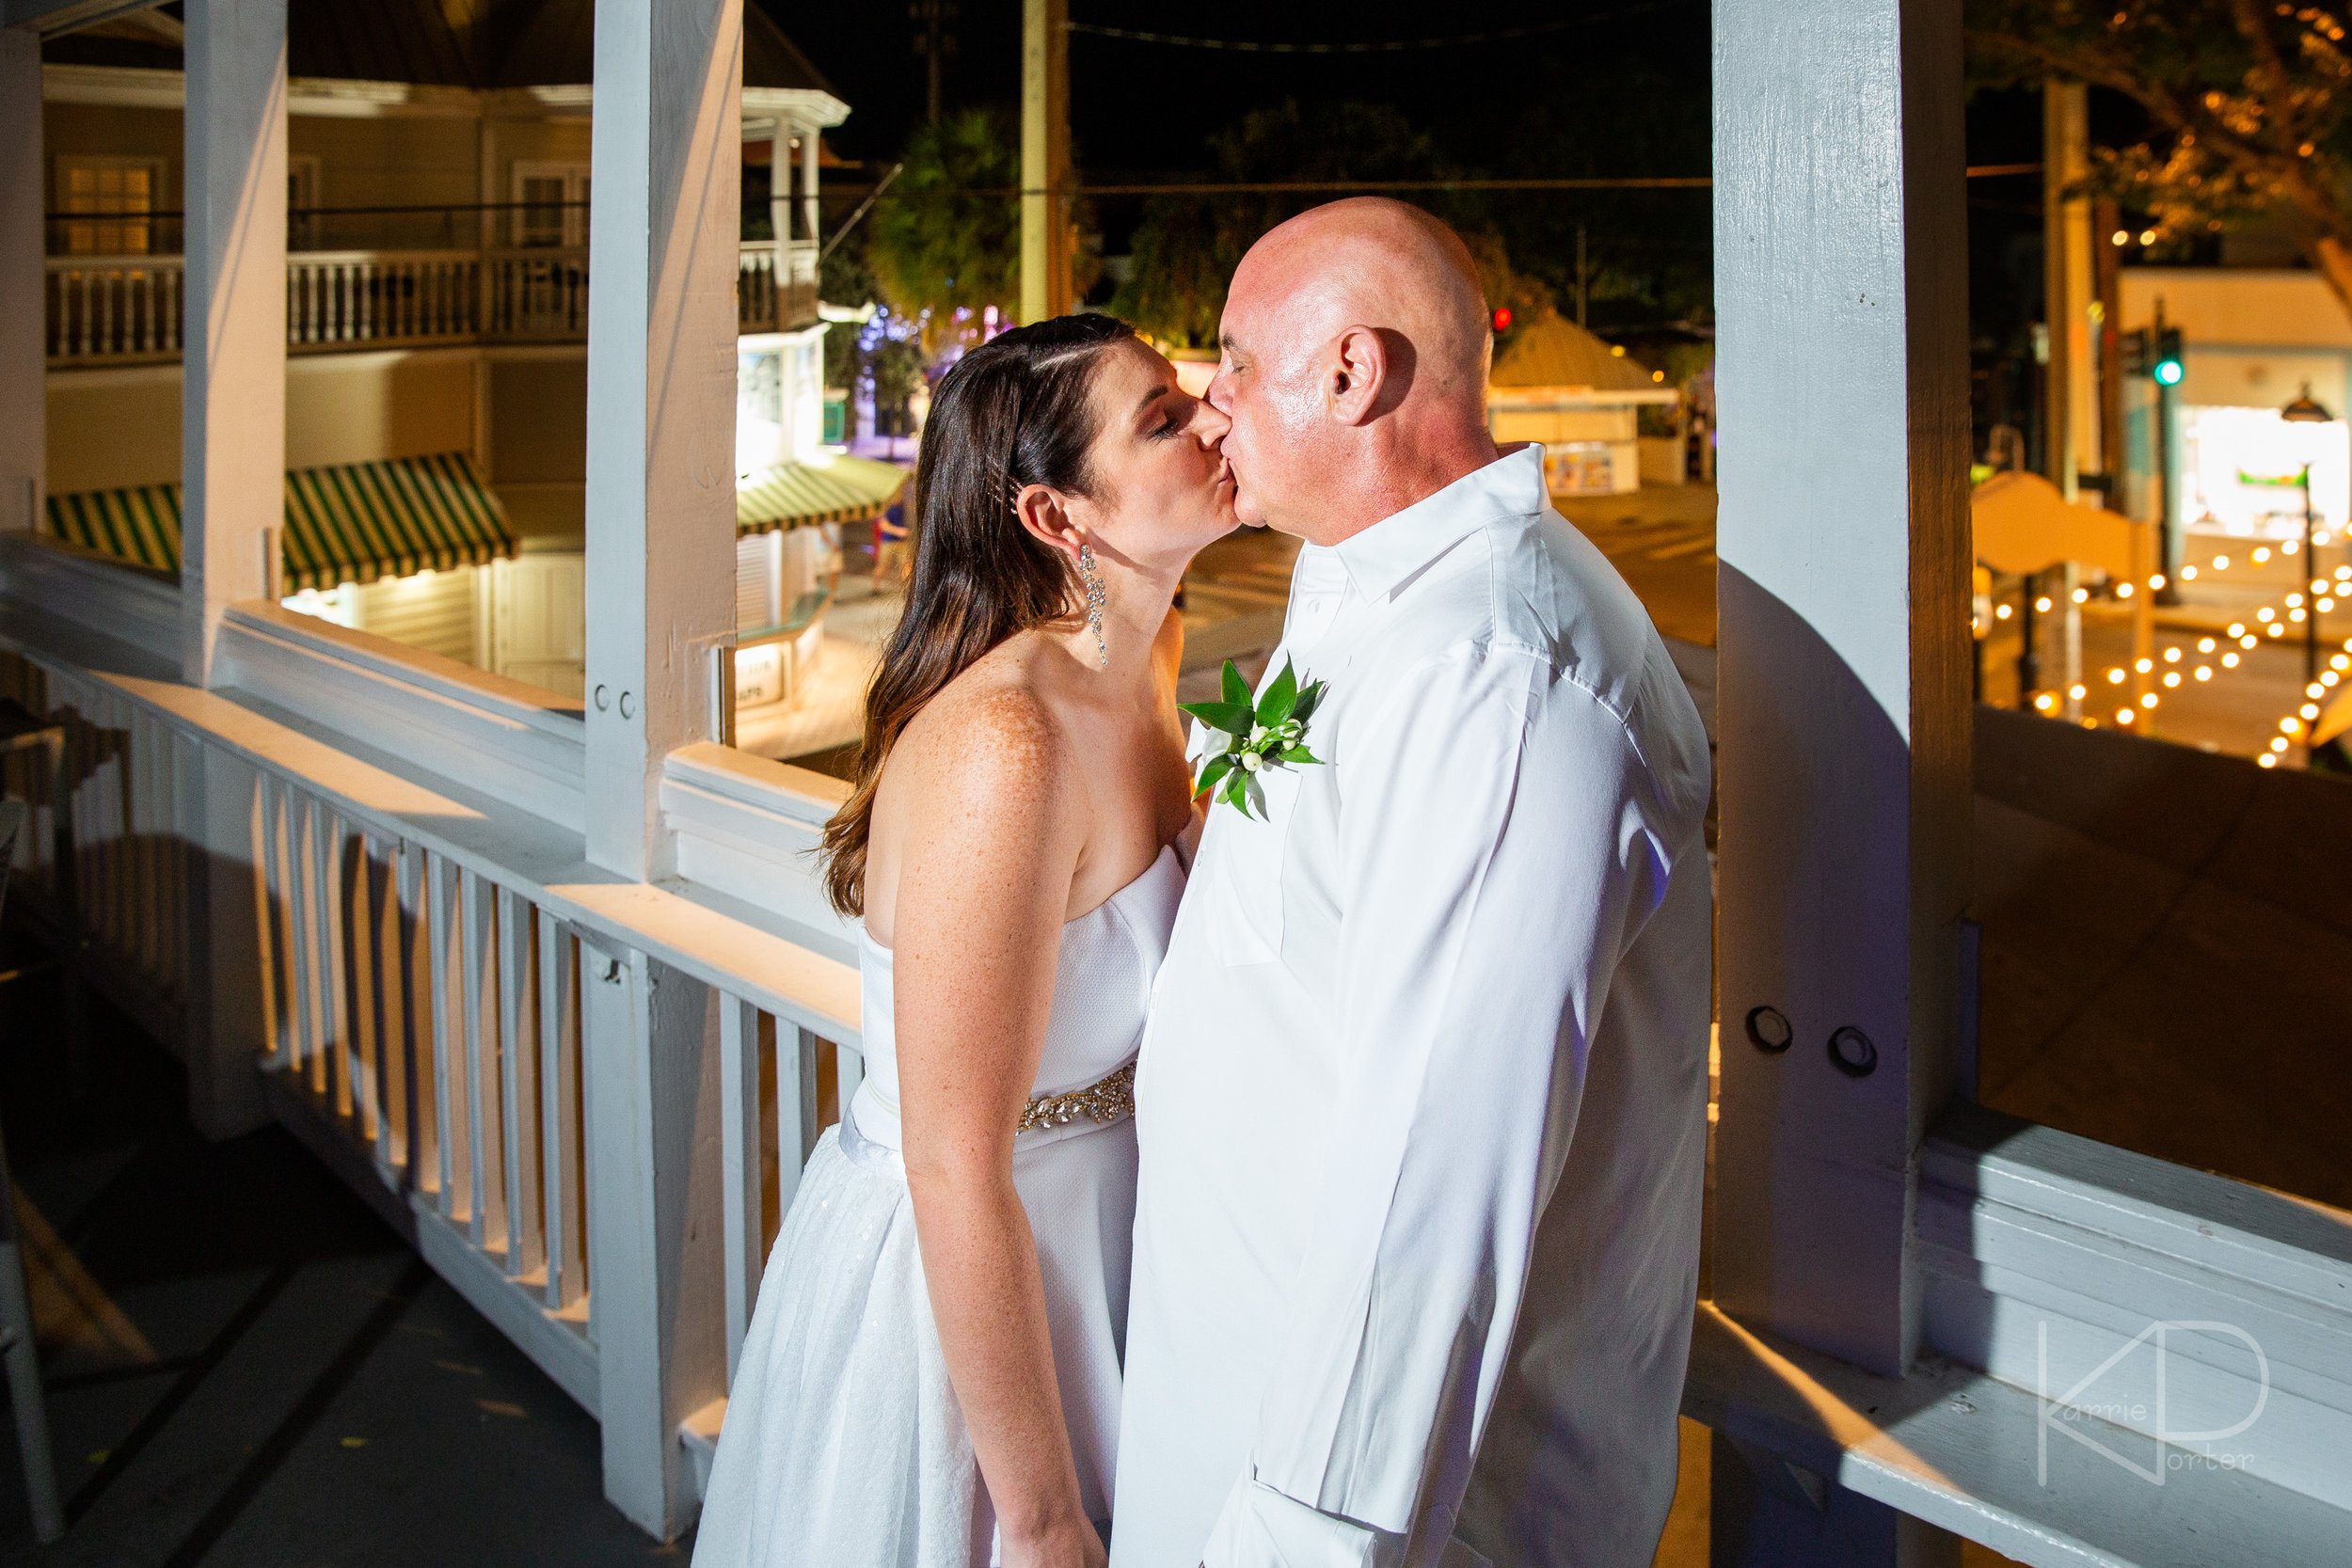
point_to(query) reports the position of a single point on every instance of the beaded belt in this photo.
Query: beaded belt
(1107, 1100)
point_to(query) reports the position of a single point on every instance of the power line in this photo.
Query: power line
(1377, 46)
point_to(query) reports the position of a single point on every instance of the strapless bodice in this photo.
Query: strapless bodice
(1102, 992)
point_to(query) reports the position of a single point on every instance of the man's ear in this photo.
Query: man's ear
(1045, 517)
(1359, 369)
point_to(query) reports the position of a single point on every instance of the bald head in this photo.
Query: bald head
(1384, 264)
(1354, 368)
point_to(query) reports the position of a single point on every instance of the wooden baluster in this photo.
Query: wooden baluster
(84, 283)
(560, 1117)
(519, 1063)
(450, 1101)
(480, 916)
(394, 1055)
(340, 1046)
(308, 1011)
(849, 1071)
(279, 938)
(743, 1229)
(366, 990)
(422, 1123)
(796, 1108)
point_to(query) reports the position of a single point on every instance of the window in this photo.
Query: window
(109, 204)
(552, 205)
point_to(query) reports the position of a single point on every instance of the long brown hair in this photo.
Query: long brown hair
(1018, 410)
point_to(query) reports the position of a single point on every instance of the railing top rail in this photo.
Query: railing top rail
(379, 257)
(156, 260)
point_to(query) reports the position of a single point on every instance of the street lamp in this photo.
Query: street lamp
(2307, 410)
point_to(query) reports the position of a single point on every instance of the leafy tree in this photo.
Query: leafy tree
(2245, 103)
(946, 237)
(1185, 246)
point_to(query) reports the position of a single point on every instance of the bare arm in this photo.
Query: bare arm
(991, 844)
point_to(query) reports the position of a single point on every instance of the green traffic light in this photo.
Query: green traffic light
(2168, 372)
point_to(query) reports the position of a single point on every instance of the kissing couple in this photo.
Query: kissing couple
(1304, 1170)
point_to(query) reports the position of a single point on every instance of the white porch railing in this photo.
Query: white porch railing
(128, 310)
(120, 308)
(777, 291)
(335, 297)
(422, 966)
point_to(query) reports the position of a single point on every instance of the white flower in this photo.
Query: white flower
(1258, 734)
(1252, 762)
(1220, 742)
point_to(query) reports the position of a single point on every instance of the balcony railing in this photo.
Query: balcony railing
(778, 290)
(129, 309)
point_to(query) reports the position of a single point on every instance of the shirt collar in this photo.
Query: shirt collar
(1383, 555)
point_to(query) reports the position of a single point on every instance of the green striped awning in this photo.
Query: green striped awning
(352, 522)
(829, 489)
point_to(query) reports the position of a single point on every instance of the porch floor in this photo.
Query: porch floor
(243, 1365)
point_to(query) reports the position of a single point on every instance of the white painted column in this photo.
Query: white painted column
(24, 352)
(233, 417)
(657, 1263)
(661, 326)
(1841, 372)
(662, 248)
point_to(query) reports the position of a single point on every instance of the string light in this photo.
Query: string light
(2042, 605)
(2267, 760)
(2204, 671)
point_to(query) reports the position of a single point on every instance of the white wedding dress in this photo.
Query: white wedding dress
(843, 1446)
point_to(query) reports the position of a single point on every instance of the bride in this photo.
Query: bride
(931, 1376)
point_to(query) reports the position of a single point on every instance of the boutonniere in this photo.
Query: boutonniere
(1246, 740)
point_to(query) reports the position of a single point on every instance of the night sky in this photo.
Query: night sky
(1148, 108)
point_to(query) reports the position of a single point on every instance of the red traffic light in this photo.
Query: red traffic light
(1503, 318)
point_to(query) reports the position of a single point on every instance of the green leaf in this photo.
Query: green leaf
(1300, 753)
(1236, 689)
(1280, 698)
(1255, 791)
(1232, 718)
(1232, 795)
(1217, 768)
(1308, 698)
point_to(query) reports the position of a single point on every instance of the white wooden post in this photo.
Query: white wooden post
(24, 349)
(663, 248)
(811, 223)
(657, 1257)
(232, 443)
(780, 133)
(222, 823)
(1841, 369)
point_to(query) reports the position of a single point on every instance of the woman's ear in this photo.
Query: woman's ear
(1045, 516)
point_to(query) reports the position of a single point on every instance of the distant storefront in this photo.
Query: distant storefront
(1558, 384)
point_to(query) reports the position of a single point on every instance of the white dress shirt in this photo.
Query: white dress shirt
(1455, 984)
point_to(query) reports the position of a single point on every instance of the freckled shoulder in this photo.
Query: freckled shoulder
(988, 742)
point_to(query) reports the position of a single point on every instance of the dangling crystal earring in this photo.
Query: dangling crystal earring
(1093, 581)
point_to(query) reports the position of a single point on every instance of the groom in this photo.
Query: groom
(1422, 1100)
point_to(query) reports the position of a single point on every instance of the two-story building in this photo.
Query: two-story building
(438, 188)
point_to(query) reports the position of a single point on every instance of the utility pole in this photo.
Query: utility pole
(1582, 276)
(2071, 444)
(1044, 159)
(932, 42)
